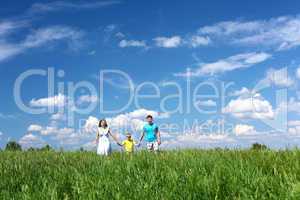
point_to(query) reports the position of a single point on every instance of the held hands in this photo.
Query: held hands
(138, 144)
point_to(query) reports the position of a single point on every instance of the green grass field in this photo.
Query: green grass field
(187, 174)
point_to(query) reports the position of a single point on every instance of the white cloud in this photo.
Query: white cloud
(120, 35)
(208, 102)
(7, 27)
(7, 116)
(110, 28)
(243, 92)
(231, 63)
(280, 33)
(91, 125)
(63, 5)
(294, 123)
(87, 99)
(298, 72)
(254, 107)
(196, 41)
(243, 129)
(230, 27)
(198, 140)
(34, 128)
(39, 38)
(168, 42)
(293, 105)
(132, 43)
(30, 140)
(133, 120)
(278, 77)
(9, 50)
(58, 117)
(58, 100)
(54, 33)
(119, 81)
(55, 131)
(294, 127)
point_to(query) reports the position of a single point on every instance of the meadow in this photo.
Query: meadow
(182, 174)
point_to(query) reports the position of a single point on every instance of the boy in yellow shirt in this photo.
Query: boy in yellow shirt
(128, 144)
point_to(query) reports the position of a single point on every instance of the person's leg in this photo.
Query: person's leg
(150, 146)
(155, 146)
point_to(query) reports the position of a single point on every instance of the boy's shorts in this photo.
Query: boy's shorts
(152, 146)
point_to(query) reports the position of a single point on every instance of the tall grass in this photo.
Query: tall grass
(187, 174)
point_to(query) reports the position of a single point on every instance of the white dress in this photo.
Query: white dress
(103, 143)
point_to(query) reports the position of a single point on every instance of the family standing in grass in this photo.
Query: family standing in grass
(150, 133)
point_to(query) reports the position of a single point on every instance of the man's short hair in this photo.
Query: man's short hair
(149, 116)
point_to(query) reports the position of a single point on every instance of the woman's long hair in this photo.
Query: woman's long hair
(100, 122)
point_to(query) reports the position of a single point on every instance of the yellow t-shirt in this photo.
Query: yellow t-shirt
(128, 145)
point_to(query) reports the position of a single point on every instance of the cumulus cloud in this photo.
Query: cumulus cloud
(254, 107)
(278, 77)
(133, 120)
(34, 128)
(91, 125)
(292, 105)
(243, 129)
(243, 92)
(168, 42)
(30, 140)
(58, 116)
(198, 140)
(53, 130)
(132, 43)
(294, 127)
(58, 100)
(231, 63)
(87, 99)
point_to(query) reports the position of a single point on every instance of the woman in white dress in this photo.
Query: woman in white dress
(104, 147)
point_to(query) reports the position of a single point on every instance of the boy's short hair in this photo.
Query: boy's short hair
(149, 116)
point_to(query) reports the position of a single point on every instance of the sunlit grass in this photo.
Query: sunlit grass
(187, 174)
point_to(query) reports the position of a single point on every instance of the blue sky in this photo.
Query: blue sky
(228, 50)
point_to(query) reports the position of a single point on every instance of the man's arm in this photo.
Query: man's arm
(142, 136)
(158, 136)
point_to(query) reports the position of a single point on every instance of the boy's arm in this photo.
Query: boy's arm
(120, 144)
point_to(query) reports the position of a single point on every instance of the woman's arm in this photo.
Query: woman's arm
(97, 136)
(115, 139)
